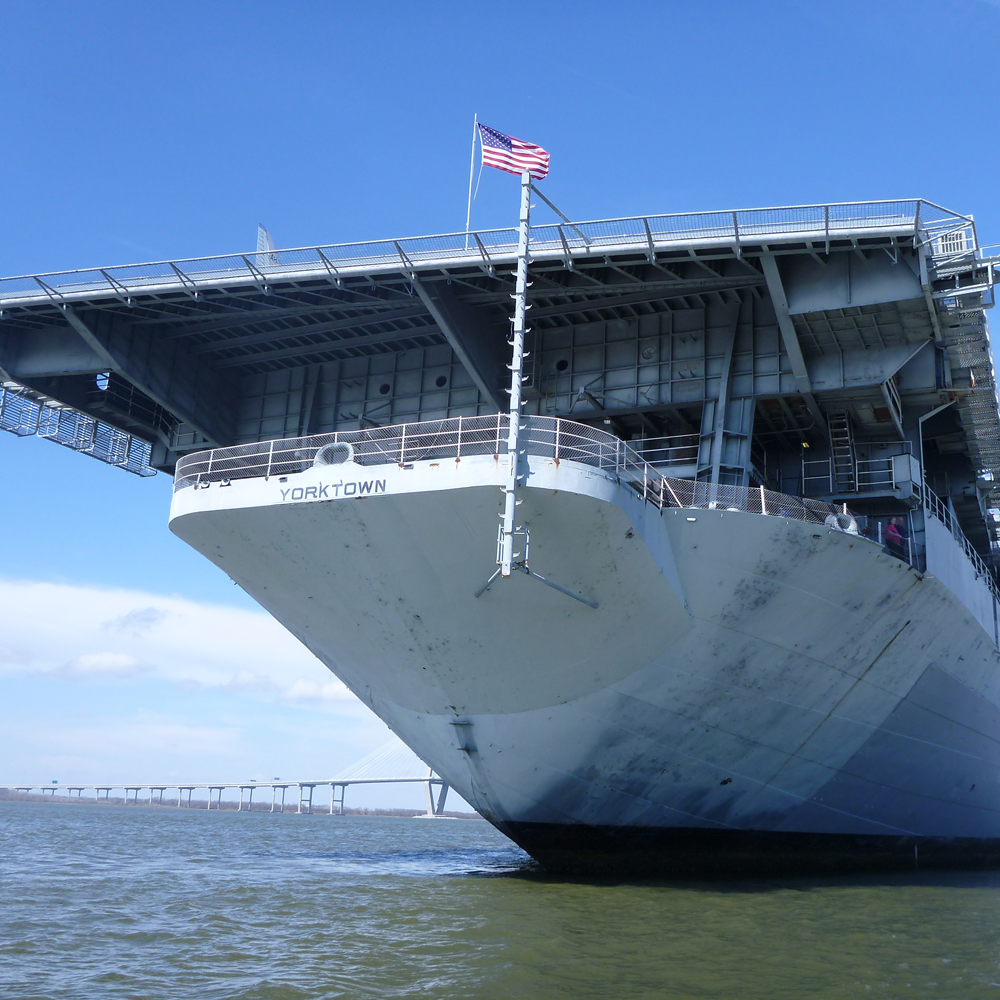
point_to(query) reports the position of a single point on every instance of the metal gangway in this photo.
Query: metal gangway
(391, 763)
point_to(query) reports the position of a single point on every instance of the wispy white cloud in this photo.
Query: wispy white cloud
(84, 633)
(307, 690)
(13, 657)
(112, 685)
(103, 666)
(136, 622)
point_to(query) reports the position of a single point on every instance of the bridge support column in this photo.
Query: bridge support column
(430, 792)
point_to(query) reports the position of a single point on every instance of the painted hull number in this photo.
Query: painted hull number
(334, 491)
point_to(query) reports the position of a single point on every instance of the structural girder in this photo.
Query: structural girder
(832, 298)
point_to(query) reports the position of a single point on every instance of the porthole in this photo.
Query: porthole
(384, 388)
(441, 381)
(561, 365)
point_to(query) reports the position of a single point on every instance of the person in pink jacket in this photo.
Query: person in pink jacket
(894, 539)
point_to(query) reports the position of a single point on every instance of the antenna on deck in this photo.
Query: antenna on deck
(266, 250)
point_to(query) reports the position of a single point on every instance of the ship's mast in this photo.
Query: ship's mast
(507, 559)
(516, 380)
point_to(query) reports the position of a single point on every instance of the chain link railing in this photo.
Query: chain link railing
(456, 438)
(926, 221)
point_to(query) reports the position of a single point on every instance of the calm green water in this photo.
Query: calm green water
(113, 902)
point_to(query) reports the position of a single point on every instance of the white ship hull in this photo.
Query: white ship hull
(750, 690)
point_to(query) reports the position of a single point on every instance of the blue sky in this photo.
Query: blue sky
(150, 131)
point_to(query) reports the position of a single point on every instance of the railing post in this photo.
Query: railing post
(558, 429)
(402, 446)
(270, 457)
(763, 503)
(676, 498)
(496, 450)
(458, 448)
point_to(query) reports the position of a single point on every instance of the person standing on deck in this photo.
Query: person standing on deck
(904, 537)
(893, 538)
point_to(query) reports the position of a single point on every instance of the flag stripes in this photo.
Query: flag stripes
(513, 155)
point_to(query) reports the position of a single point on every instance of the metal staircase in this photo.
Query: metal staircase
(843, 460)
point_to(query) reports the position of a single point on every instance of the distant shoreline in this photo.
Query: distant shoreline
(226, 806)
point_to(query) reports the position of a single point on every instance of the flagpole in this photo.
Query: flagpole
(472, 168)
(516, 368)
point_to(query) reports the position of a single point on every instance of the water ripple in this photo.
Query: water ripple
(104, 902)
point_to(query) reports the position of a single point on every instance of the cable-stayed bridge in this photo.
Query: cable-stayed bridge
(391, 763)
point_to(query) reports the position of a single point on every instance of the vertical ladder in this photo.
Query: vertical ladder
(842, 452)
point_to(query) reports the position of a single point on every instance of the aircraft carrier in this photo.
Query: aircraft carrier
(756, 627)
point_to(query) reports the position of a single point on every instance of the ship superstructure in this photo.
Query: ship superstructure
(758, 499)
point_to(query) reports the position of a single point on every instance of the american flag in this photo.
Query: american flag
(513, 155)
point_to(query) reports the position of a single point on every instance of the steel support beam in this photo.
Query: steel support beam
(722, 403)
(478, 340)
(790, 338)
(307, 328)
(304, 350)
(659, 292)
(53, 351)
(185, 387)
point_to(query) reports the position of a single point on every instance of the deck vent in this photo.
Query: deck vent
(336, 453)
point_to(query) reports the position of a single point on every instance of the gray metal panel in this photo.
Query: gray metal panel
(838, 281)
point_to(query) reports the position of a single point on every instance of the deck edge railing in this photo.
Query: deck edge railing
(457, 438)
(928, 223)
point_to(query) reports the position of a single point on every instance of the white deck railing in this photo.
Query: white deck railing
(934, 506)
(944, 231)
(544, 437)
(456, 438)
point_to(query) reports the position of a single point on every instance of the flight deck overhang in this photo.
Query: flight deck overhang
(630, 321)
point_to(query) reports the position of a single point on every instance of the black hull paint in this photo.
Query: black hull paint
(703, 853)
